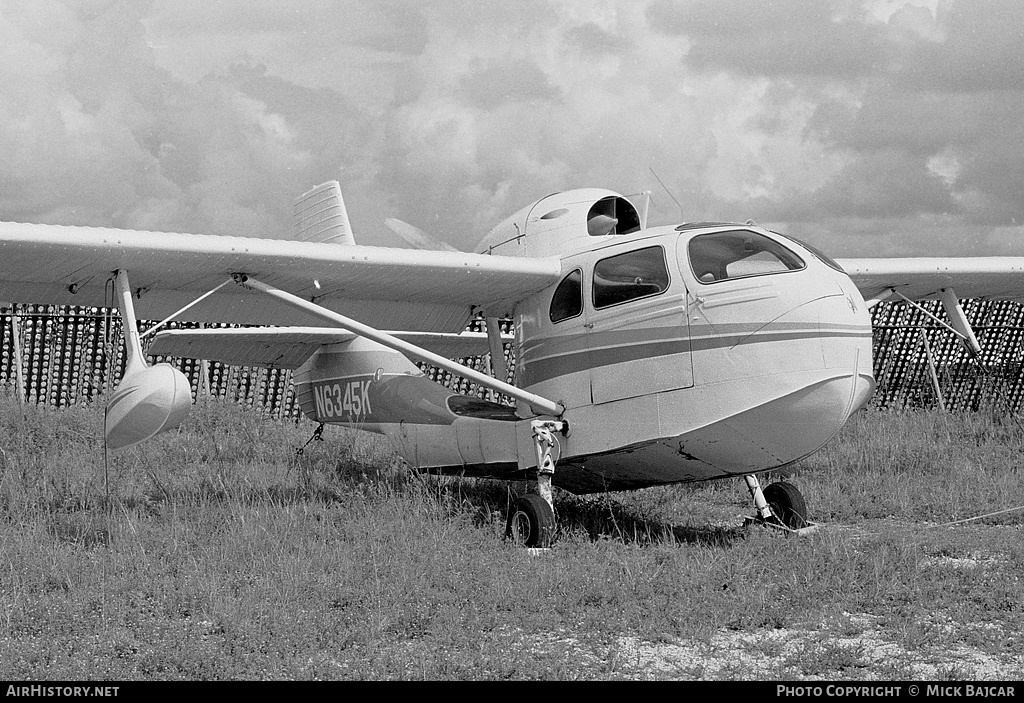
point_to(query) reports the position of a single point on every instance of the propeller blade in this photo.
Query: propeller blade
(417, 237)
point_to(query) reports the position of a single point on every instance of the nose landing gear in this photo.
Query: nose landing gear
(780, 505)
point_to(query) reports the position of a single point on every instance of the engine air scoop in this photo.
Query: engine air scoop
(147, 402)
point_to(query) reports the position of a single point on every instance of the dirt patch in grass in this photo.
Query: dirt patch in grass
(813, 654)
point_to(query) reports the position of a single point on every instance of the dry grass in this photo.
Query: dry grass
(222, 555)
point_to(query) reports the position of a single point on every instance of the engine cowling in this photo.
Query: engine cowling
(562, 223)
(148, 401)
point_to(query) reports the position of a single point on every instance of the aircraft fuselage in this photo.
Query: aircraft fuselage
(679, 354)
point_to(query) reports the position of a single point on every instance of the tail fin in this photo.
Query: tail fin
(320, 216)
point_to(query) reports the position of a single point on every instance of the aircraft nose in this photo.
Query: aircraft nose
(844, 325)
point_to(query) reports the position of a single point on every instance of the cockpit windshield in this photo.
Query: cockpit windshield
(825, 258)
(738, 254)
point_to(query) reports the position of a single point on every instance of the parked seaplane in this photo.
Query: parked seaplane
(643, 355)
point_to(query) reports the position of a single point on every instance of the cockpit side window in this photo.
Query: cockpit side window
(612, 215)
(738, 254)
(568, 298)
(635, 274)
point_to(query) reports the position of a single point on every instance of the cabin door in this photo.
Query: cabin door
(637, 327)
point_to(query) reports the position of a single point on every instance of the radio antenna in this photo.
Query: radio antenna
(669, 193)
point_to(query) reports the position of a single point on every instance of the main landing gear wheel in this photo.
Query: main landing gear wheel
(787, 503)
(531, 523)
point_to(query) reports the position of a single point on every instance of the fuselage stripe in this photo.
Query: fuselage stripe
(549, 346)
(548, 367)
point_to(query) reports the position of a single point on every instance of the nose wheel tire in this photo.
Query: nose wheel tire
(787, 503)
(531, 523)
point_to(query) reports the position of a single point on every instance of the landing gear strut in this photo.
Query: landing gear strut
(531, 523)
(780, 505)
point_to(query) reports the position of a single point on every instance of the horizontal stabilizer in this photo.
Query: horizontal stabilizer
(289, 347)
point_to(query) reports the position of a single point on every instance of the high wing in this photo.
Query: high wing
(289, 347)
(383, 287)
(999, 277)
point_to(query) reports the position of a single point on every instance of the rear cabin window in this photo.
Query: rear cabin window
(636, 274)
(723, 255)
(568, 298)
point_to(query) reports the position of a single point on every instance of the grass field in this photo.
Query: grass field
(221, 555)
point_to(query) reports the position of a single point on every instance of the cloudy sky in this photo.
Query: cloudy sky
(868, 127)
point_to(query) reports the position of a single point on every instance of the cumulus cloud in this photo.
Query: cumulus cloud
(891, 98)
(863, 125)
(977, 50)
(782, 37)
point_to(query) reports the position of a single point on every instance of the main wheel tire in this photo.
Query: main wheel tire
(531, 523)
(787, 503)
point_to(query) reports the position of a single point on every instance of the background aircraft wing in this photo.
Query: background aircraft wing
(383, 287)
(289, 347)
(1000, 277)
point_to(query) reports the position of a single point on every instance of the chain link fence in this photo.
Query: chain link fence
(62, 356)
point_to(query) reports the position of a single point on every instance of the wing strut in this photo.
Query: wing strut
(538, 403)
(958, 324)
(167, 319)
(959, 320)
